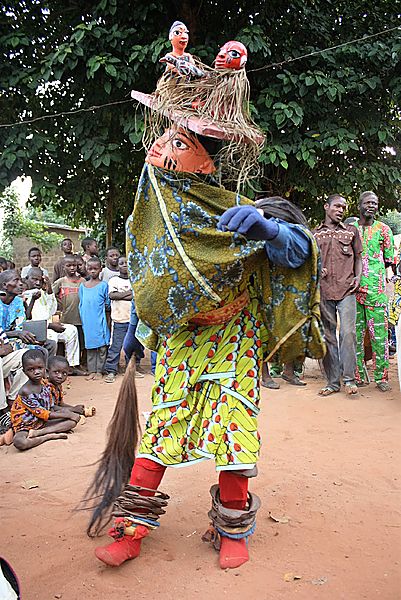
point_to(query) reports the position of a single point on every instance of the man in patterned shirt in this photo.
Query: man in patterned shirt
(371, 306)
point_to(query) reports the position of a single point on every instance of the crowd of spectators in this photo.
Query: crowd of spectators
(77, 323)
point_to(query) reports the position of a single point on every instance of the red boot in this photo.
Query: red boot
(122, 549)
(233, 553)
(233, 494)
(145, 473)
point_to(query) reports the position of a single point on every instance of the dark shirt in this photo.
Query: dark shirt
(58, 269)
(339, 248)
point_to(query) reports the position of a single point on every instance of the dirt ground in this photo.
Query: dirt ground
(329, 470)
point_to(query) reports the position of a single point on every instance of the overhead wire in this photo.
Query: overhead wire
(316, 52)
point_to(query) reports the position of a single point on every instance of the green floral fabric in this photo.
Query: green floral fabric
(180, 264)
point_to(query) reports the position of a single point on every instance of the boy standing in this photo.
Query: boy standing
(66, 291)
(120, 294)
(89, 246)
(111, 268)
(68, 248)
(35, 258)
(93, 303)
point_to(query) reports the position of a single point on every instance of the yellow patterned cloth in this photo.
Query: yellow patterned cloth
(206, 394)
(180, 265)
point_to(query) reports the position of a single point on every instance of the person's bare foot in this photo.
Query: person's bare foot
(8, 437)
(351, 388)
(56, 436)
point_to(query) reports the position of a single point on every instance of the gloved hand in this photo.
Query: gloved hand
(248, 221)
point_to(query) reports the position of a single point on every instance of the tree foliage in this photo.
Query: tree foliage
(393, 220)
(332, 120)
(16, 224)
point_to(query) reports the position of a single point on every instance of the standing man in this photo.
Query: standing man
(340, 248)
(371, 308)
(68, 248)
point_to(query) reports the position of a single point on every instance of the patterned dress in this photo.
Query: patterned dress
(32, 411)
(372, 302)
(206, 394)
(56, 394)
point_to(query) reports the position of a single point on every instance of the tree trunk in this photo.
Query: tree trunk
(109, 216)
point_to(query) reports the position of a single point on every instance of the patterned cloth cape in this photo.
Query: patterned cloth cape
(180, 264)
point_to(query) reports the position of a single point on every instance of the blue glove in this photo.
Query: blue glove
(249, 222)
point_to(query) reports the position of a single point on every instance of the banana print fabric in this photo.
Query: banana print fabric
(206, 394)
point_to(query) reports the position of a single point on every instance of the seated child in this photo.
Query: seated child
(57, 369)
(33, 417)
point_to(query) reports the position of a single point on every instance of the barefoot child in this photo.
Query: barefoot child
(33, 417)
(57, 369)
(93, 302)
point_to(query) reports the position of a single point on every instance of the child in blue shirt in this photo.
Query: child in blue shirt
(93, 303)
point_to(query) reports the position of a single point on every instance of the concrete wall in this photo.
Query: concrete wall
(49, 258)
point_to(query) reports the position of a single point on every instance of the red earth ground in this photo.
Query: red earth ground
(329, 470)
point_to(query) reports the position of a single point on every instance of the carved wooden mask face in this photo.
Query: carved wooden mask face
(179, 36)
(233, 55)
(180, 150)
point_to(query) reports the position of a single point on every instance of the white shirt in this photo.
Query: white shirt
(120, 309)
(44, 307)
(25, 270)
(107, 274)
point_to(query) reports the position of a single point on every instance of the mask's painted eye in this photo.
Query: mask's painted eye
(176, 32)
(234, 53)
(179, 144)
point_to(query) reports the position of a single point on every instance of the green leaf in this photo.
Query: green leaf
(10, 159)
(78, 35)
(111, 70)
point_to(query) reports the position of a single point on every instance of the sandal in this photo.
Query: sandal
(327, 391)
(294, 380)
(383, 386)
(270, 384)
(351, 388)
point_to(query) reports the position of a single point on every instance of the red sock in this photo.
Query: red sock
(145, 473)
(233, 494)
